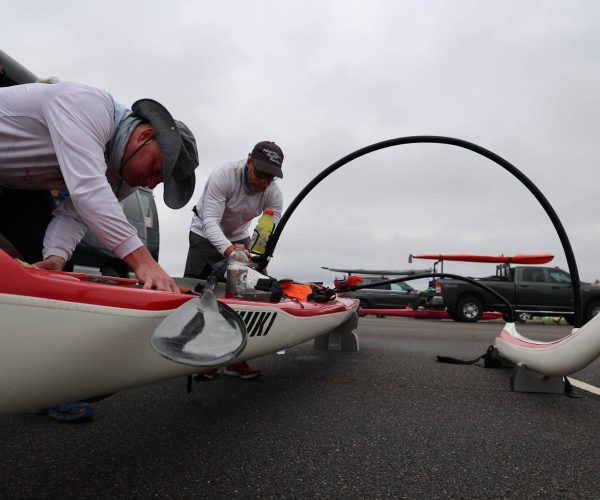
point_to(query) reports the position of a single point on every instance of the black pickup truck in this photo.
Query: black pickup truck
(532, 290)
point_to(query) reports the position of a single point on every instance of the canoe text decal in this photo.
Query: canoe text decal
(258, 323)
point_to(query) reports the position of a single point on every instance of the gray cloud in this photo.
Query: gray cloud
(326, 78)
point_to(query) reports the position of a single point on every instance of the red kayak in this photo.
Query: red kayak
(540, 258)
(425, 313)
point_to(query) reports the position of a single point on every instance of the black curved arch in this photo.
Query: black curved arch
(566, 244)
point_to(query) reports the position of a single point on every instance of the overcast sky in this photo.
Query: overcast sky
(325, 78)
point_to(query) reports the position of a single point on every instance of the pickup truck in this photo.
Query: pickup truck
(532, 290)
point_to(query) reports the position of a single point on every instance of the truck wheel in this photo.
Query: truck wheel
(523, 317)
(592, 309)
(469, 309)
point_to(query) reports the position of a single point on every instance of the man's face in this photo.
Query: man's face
(144, 168)
(258, 181)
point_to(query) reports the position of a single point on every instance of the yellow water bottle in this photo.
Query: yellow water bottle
(262, 231)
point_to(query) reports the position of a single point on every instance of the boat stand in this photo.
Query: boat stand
(342, 338)
(525, 380)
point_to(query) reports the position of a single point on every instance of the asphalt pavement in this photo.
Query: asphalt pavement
(388, 421)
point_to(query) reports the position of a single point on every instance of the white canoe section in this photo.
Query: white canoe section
(558, 358)
(54, 351)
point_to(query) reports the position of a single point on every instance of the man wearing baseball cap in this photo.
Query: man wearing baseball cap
(75, 138)
(233, 196)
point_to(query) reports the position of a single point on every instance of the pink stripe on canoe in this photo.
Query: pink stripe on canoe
(510, 339)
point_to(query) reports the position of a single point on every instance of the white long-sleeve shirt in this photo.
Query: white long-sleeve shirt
(226, 208)
(54, 137)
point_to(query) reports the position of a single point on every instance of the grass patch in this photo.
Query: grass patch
(547, 320)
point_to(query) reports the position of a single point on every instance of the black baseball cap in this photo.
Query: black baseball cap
(268, 157)
(178, 148)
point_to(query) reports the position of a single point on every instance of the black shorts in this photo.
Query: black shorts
(202, 255)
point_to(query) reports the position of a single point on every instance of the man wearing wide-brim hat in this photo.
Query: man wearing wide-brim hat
(75, 138)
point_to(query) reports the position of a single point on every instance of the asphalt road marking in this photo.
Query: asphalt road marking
(584, 386)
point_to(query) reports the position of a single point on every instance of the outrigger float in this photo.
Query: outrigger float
(544, 366)
(539, 366)
(68, 336)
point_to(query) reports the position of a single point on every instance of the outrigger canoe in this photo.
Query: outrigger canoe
(68, 336)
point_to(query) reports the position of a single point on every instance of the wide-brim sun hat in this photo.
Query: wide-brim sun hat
(178, 148)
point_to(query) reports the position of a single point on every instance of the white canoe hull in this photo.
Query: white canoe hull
(558, 358)
(55, 351)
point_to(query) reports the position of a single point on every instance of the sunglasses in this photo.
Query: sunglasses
(135, 151)
(262, 176)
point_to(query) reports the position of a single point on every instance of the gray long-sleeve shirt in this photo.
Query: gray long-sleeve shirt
(54, 137)
(226, 209)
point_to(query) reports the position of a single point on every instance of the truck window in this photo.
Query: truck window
(559, 276)
(370, 279)
(534, 274)
(401, 287)
(132, 208)
(149, 209)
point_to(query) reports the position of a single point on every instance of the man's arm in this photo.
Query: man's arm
(80, 124)
(149, 272)
(79, 135)
(146, 269)
(65, 230)
(215, 199)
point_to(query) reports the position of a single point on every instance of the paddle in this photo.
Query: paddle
(202, 332)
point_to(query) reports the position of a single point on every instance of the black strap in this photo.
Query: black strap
(570, 392)
(491, 359)
(455, 361)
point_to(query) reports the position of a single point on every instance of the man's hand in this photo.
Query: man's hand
(228, 251)
(54, 262)
(148, 272)
(231, 248)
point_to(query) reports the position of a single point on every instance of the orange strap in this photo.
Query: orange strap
(295, 290)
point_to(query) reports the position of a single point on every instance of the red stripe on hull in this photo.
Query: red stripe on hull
(121, 293)
(425, 313)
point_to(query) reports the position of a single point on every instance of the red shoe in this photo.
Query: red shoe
(242, 370)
